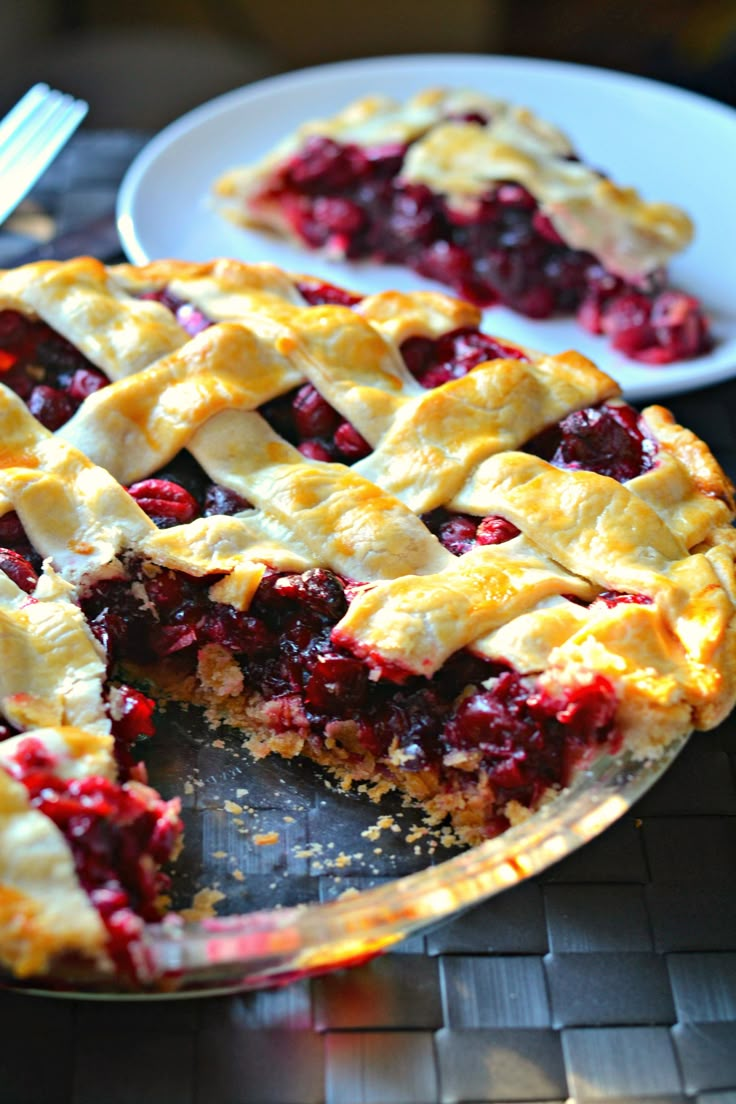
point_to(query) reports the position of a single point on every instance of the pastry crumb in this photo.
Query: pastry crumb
(203, 905)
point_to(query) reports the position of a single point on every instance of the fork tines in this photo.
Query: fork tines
(31, 135)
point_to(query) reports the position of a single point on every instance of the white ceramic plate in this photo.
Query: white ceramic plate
(670, 144)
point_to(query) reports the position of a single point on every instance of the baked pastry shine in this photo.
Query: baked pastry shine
(485, 197)
(358, 528)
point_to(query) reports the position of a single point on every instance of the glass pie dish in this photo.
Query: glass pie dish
(317, 919)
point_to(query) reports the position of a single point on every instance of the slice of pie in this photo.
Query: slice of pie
(486, 198)
(361, 530)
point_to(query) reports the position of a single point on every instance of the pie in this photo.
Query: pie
(489, 200)
(360, 529)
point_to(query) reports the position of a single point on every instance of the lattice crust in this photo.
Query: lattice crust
(664, 535)
(461, 161)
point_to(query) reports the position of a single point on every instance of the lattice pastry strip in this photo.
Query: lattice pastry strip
(83, 301)
(51, 667)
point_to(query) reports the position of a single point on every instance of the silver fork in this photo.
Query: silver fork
(31, 135)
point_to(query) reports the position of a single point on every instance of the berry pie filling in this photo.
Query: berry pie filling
(51, 376)
(501, 247)
(471, 715)
(119, 836)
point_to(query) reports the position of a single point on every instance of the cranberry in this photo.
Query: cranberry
(165, 502)
(535, 302)
(418, 354)
(317, 292)
(386, 159)
(529, 739)
(321, 164)
(18, 569)
(240, 632)
(165, 297)
(133, 721)
(14, 326)
(612, 598)
(544, 227)
(317, 450)
(349, 443)
(57, 355)
(679, 325)
(86, 381)
(457, 534)
(223, 500)
(626, 320)
(469, 117)
(515, 195)
(607, 440)
(134, 715)
(445, 262)
(336, 683)
(414, 217)
(340, 216)
(52, 407)
(12, 532)
(319, 589)
(313, 415)
(433, 362)
(191, 319)
(495, 530)
(18, 380)
(166, 640)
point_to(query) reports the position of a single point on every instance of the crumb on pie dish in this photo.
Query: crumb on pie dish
(359, 529)
(486, 198)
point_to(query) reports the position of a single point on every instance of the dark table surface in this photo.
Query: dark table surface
(611, 977)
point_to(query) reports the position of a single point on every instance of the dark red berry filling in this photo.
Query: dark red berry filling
(131, 722)
(17, 568)
(530, 741)
(44, 369)
(352, 202)
(118, 835)
(283, 644)
(14, 543)
(189, 317)
(613, 598)
(318, 292)
(609, 439)
(459, 533)
(435, 361)
(165, 502)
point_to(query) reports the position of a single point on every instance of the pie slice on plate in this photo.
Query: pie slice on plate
(486, 198)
